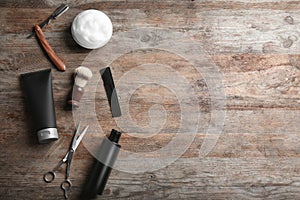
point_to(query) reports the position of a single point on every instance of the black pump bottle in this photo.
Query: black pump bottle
(102, 167)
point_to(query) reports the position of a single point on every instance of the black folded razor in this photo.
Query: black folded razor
(111, 92)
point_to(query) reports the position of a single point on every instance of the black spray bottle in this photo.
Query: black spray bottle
(102, 167)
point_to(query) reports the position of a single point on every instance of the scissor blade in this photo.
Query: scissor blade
(75, 137)
(66, 157)
(80, 137)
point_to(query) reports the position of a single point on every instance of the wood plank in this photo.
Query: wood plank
(265, 178)
(255, 47)
(264, 28)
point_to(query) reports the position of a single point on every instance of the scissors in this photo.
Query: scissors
(50, 176)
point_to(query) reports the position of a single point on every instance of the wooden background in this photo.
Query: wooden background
(255, 45)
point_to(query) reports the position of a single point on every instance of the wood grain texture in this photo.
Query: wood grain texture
(255, 46)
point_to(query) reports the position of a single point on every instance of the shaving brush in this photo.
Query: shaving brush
(81, 77)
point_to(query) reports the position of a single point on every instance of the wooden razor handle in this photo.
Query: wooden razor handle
(52, 55)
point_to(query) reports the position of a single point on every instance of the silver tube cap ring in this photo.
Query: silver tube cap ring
(47, 135)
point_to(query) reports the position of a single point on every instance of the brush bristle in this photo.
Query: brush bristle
(82, 76)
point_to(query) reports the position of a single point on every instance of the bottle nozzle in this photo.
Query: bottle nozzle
(114, 136)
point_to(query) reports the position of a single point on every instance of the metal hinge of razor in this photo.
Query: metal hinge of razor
(58, 12)
(46, 46)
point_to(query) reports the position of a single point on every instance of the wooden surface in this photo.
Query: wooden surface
(254, 44)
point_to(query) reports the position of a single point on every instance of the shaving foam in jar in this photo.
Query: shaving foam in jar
(91, 29)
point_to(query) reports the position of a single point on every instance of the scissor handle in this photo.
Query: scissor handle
(49, 176)
(66, 186)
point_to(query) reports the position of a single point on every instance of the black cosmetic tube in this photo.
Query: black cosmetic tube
(38, 90)
(102, 167)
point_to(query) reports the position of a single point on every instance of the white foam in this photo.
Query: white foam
(92, 29)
